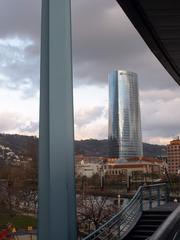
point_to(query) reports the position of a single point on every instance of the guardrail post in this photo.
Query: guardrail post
(158, 196)
(150, 197)
(141, 199)
(166, 193)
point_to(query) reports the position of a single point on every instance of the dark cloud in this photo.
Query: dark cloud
(91, 123)
(9, 121)
(13, 122)
(86, 116)
(20, 22)
(33, 50)
(104, 39)
(19, 68)
(20, 18)
(31, 127)
(160, 113)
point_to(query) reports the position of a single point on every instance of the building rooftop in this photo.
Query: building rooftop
(175, 141)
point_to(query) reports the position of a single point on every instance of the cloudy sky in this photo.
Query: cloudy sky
(103, 39)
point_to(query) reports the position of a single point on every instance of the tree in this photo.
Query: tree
(10, 185)
(92, 211)
(18, 187)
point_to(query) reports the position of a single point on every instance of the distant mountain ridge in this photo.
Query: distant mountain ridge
(27, 146)
(24, 146)
(93, 147)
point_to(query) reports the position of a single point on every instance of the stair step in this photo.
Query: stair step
(150, 221)
(138, 237)
(154, 217)
(142, 226)
(149, 232)
(157, 212)
(148, 224)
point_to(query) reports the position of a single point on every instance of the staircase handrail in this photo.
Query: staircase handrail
(170, 229)
(126, 219)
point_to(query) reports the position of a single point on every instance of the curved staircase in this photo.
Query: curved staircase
(149, 215)
(148, 224)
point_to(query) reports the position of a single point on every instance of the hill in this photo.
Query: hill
(24, 146)
(93, 147)
(27, 146)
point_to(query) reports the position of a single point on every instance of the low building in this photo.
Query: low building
(90, 165)
(87, 169)
(88, 159)
(136, 167)
(152, 165)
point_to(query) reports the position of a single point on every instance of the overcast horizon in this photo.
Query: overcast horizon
(103, 39)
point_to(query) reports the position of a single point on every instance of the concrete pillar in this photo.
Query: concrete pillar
(57, 215)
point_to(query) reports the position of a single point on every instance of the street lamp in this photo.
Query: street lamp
(102, 176)
(83, 178)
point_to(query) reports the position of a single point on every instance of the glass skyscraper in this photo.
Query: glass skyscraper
(124, 132)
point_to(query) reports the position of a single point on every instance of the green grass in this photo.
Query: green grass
(20, 222)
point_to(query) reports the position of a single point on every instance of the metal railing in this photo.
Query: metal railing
(170, 229)
(24, 234)
(122, 223)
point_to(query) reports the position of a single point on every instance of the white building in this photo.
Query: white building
(87, 169)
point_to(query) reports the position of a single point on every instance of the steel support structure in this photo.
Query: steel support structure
(57, 215)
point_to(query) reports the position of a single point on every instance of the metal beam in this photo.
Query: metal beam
(57, 215)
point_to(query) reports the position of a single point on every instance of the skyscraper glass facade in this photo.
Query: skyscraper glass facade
(124, 132)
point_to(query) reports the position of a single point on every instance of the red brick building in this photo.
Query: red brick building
(173, 156)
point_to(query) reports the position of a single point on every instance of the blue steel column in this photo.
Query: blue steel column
(57, 215)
